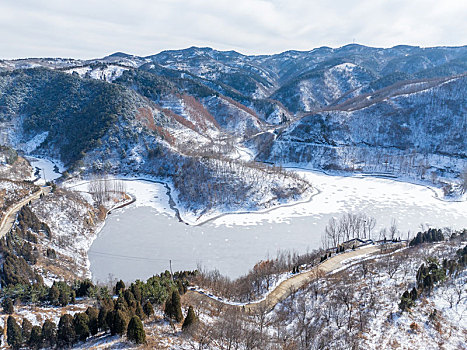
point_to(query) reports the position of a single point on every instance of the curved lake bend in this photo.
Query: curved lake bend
(139, 240)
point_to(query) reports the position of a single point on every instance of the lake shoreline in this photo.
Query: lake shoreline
(243, 238)
(231, 227)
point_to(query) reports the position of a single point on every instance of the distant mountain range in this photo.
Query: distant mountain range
(401, 110)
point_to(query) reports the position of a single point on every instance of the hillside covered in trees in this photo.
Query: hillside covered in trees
(396, 297)
(215, 114)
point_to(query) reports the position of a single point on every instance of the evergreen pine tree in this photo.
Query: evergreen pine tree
(66, 332)
(120, 323)
(102, 319)
(7, 305)
(93, 315)
(135, 331)
(121, 304)
(35, 340)
(139, 311)
(81, 326)
(14, 336)
(181, 287)
(406, 301)
(119, 287)
(190, 318)
(129, 297)
(428, 282)
(173, 307)
(54, 293)
(168, 309)
(63, 297)
(26, 329)
(49, 334)
(136, 290)
(73, 297)
(176, 302)
(148, 309)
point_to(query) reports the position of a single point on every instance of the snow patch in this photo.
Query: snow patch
(33, 143)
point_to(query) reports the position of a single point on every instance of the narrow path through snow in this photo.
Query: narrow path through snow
(288, 286)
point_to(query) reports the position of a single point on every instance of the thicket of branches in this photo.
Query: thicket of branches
(103, 189)
(338, 311)
(209, 182)
(346, 227)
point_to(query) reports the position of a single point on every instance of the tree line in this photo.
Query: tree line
(102, 188)
(348, 226)
(123, 314)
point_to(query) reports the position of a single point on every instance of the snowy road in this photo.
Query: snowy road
(10, 216)
(288, 286)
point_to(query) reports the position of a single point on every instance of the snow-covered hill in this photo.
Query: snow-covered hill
(399, 110)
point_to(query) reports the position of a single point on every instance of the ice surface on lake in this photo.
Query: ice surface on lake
(139, 241)
(47, 170)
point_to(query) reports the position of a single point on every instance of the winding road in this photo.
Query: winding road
(10, 215)
(287, 287)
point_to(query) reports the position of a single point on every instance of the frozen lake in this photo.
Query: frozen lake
(139, 240)
(45, 169)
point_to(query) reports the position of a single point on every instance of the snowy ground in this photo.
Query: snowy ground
(147, 192)
(333, 195)
(278, 280)
(74, 224)
(374, 298)
(410, 204)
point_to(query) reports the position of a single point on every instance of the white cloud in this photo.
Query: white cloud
(95, 28)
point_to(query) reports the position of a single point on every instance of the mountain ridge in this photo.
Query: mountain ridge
(340, 109)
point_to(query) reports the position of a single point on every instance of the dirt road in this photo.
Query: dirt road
(10, 216)
(287, 287)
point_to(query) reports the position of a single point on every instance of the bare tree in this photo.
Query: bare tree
(260, 317)
(382, 234)
(228, 328)
(393, 229)
(434, 177)
(346, 227)
(369, 225)
(464, 181)
(345, 294)
(200, 335)
(390, 264)
(332, 233)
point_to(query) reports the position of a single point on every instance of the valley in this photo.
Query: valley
(145, 187)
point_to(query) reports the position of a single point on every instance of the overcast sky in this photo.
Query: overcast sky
(95, 28)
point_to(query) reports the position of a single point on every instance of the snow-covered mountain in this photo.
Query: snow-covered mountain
(411, 128)
(400, 110)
